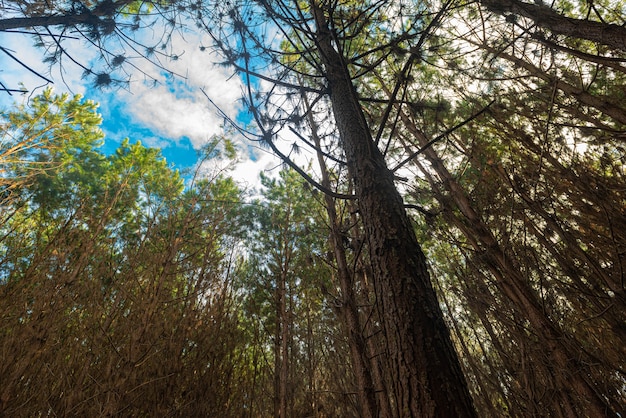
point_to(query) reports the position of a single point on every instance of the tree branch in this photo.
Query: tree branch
(24, 65)
(441, 136)
(608, 34)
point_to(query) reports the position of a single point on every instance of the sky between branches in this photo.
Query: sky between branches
(173, 115)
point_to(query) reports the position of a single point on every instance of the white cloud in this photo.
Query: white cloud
(155, 142)
(178, 107)
(175, 107)
(12, 74)
(247, 171)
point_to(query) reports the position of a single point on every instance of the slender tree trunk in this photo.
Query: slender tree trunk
(558, 346)
(349, 311)
(311, 363)
(106, 9)
(611, 35)
(284, 351)
(281, 361)
(423, 367)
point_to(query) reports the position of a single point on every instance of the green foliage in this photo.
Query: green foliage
(54, 134)
(112, 276)
(162, 296)
(281, 284)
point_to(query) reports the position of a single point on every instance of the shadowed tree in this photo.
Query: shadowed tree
(423, 371)
(287, 270)
(114, 283)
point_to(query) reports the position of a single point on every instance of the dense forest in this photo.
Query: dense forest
(454, 247)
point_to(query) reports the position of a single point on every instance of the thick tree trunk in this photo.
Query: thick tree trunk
(611, 35)
(423, 367)
(46, 21)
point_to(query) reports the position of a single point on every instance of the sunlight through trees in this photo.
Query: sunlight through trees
(446, 236)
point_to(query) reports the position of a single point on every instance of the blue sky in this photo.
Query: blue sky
(119, 123)
(173, 115)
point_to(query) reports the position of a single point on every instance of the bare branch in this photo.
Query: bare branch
(441, 136)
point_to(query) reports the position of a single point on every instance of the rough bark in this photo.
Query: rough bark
(423, 367)
(46, 21)
(611, 35)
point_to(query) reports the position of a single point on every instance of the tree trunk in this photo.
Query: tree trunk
(281, 343)
(88, 17)
(611, 35)
(423, 367)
